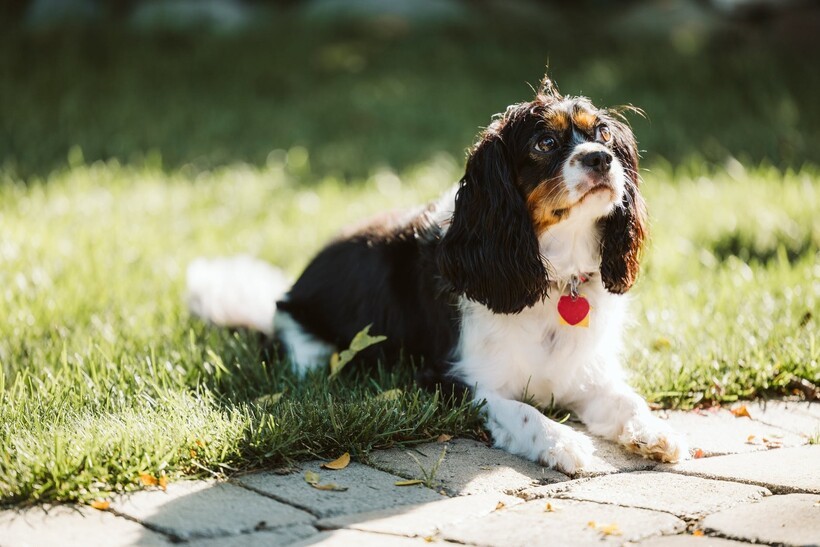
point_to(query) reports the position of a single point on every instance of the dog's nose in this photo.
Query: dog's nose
(600, 160)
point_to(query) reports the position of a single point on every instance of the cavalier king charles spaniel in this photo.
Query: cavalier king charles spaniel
(511, 285)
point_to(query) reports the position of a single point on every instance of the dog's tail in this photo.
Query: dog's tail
(238, 291)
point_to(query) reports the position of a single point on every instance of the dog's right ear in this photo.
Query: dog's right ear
(490, 252)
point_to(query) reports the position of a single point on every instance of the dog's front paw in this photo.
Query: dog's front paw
(652, 438)
(569, 451)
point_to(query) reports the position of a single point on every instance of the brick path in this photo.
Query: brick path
(757, 482)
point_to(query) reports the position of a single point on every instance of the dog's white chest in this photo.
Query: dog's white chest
(532, 354)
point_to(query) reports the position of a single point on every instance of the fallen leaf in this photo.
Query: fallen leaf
(500, 505)
(698, 533)
(193, 453)
(311, 477)
(698, 453)
(411, 482)
(550, 508)
(390, 394)
(148, 480)
(610, 530)
(591, 524)
(741, 412)
(361, 341)
(163, 482)
(269, 399)
(429, 539)
(443, 438)
(331, 487)
(339, 463)
(102, 505)
(751, 439)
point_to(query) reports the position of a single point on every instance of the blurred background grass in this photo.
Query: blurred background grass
(390, 90)
(132, 143)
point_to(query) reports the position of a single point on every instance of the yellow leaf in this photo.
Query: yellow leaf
(193, 453)
(500, 505)
(411, 482)
(311, 477)
(163, 482)
(697, 533)
(750, 439)
(741, 411)
(390, 394)
(610, 530)
(591, 524)
(339, 463)
(699, 453)
(148, 480)
(102, 505)
(443, 438)
(429, 539)
(550, 508)
(331, 487)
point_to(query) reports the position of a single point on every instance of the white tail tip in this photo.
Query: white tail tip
(238, 291)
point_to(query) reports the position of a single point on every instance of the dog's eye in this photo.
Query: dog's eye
(603, 133)
(546, 144)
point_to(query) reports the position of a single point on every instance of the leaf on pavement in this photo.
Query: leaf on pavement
(339, 463)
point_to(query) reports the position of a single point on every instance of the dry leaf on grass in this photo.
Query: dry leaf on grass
(443, 438)
(339, 463)
(411, 482)
(148, 480)
(102, 505)
(741, 412)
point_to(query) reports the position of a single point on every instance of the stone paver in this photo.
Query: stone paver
(469, 467)
(570, 523)
(207, 509)
(792, 519)
(681, 495)
(688, 540)
(368, 489)
(425, 519)
(720, 432)
(801, 417)
(284, 535)
(350, 538)
(610, 457)
(782, 470)
(73, 526)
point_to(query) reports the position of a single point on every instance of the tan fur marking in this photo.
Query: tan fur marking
(585, 121)
(544, 210)
(557, 120)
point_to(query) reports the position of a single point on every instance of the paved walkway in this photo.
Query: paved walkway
(757, 480)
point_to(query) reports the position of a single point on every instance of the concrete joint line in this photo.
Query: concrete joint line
(277, 498)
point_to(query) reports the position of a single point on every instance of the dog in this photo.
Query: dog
(512, 284)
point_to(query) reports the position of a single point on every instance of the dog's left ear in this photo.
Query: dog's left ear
(624, 231)
(490, 252)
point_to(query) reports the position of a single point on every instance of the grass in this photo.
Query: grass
(122, 160)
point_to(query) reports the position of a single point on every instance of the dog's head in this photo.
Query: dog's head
(532, 167)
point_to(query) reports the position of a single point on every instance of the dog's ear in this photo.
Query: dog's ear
(490, 252)
(624, 231)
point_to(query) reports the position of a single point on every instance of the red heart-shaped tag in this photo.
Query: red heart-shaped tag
(573, 311)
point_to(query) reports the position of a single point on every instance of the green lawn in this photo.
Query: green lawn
(125, 159)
